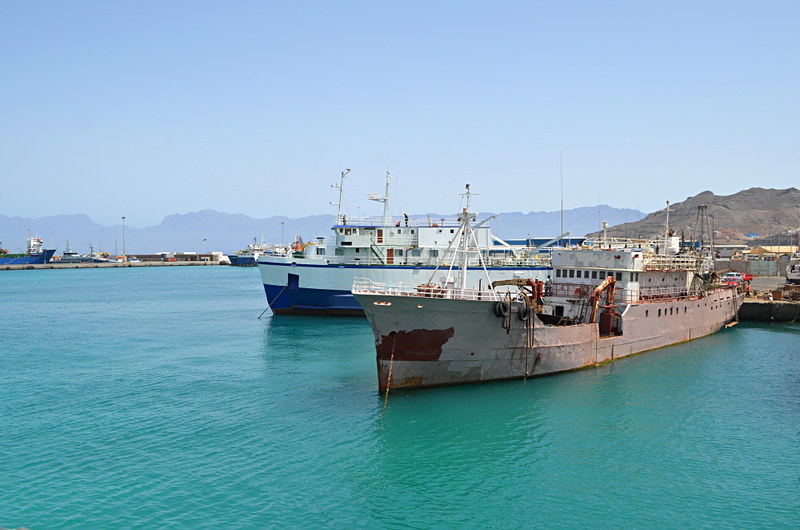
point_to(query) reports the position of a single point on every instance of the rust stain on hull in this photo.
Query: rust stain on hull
(414, 345)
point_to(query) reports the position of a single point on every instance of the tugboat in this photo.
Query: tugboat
(36, 254)
(605, 302)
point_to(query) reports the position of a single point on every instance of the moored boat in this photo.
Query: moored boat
(605, 303)
(316, 278)
(35, 254)
(248, 256)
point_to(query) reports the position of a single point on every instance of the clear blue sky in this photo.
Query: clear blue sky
(146, 109)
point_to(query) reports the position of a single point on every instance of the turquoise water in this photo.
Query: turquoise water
(133, 398)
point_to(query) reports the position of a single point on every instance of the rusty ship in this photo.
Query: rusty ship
(605, 302)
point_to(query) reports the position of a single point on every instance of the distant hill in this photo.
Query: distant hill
(210, 230)
(769, 213)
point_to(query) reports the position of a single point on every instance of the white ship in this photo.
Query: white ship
(317, 277)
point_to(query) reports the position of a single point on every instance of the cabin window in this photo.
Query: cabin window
(659, 312)
(358, 250)
(670, 310)
(578, 274)
(571, 273)
(347, 231)
(619, 276)
(433, 253)
(452, 231)
(558, 273)
(594, 275)
(400, 231)
(347, 243)
(341, 231)
(398, 252)
(646, 313)
(412, 231)
(320, 251)
(416, 252)
(559, 310)
(684, 309)
(339, 252)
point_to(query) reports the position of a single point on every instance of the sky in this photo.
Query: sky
(146, 109)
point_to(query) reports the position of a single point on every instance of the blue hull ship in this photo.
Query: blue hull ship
(35, 255)
(316, 278)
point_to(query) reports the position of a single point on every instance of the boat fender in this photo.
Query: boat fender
(524, 313)
(501, 309)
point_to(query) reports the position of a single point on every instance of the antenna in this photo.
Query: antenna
(561, 164)
(340, 187)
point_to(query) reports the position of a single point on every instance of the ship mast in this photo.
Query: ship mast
(340, 187)
(387, 209)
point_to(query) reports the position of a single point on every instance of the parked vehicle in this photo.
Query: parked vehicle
(733, 278)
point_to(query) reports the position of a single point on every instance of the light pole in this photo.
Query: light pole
(281, 233)
(124, 255)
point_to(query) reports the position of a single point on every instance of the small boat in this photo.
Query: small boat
(35, 254)
(248, 256)
(604, 303)
(70, 256)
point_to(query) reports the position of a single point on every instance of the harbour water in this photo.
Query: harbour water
(155, 397)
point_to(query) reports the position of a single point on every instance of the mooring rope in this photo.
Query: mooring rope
(389, 376)
(268, 304)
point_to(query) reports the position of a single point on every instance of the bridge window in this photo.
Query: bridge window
(594, 275)
(577, 274)
(571, 273)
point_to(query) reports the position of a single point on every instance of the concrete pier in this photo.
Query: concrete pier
(758, 310)
(57, 265)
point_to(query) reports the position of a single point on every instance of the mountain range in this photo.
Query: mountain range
(210, 230)
(754, 216)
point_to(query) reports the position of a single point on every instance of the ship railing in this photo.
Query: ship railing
(655, 294)
(516, 261)
(401, 222)
(367, 286)
(683, 263)
(578, 291)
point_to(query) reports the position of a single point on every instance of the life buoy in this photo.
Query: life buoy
(524, 312)
(501, 309)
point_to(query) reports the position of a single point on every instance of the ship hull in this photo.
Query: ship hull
(424, 342)
(313, 287)
(242, 261)
(31, 259)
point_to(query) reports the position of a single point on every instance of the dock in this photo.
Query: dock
(110, 265)
(759, 310)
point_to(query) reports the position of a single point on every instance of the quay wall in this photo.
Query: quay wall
(57, 265)
(769, 311)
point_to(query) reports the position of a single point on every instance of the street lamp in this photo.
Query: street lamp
(281, 233)
(124, 254)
